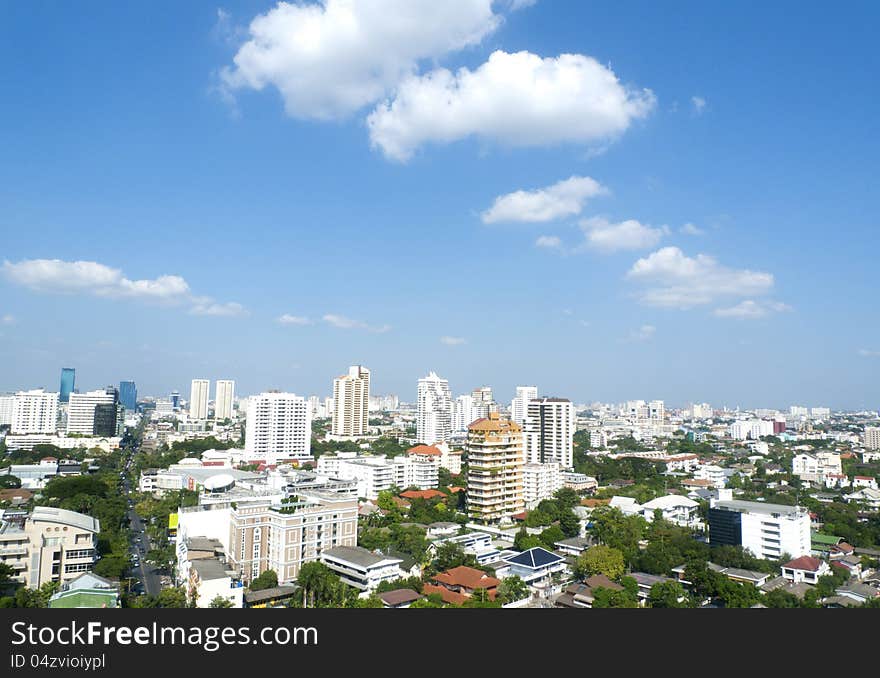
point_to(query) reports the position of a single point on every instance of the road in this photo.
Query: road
(146, 573)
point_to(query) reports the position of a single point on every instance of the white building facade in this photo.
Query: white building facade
(278, 427)
(434, 414)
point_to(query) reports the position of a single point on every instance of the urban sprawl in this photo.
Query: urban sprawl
(112, 500)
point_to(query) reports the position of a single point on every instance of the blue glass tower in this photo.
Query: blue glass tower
(128, 395)
(68, 380)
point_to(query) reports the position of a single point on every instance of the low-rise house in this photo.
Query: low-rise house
(868, 496)
(857, 591)
(799, 590)
(360, 568)
(805, 569)
(464, 581)
(646, 582)
(399, 598)
(442, 529)
(865, 481)
(535, 566)
(582, 594)
(276, 596)
(210, 578)
(87, 590)
(574, 546)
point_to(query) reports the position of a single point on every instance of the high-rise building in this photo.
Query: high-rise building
(34, 412)
(198, 399)
(128, 395)
(174, 398)
(495, 469)
(549, 432)
(434, 414)
(540, 482)
(351, 402)
(484, 402)
(7, 405)
(519, 405)
(463, 413)
(93, 412)
(223, 398)
(279, 427)
(765, 530)
(68, 383)
(872, 437)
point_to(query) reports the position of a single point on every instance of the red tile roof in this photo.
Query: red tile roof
(455, 489)
(422, 494)
(447, 595)
(806, 563)
(467, 578)
(425, 449)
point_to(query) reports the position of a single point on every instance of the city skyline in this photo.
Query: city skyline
(701, 239)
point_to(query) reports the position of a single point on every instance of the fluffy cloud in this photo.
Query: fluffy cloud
(332, 58)
(699, 104)
(90, 277)
(750, 309)
(644, 333)
(549, 242)
(672, 279)
(607, 237)
(452, 341)
(288, 319)
(344, 323)
(563, 199)
(691, 229)
(517, 99)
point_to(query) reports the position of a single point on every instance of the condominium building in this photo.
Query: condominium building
(34, 412)
(351, 402)
(484, 402)
(47, 545)
(519, 405)
(549, 432)
(872, 437)
(278, 428)
(815, 467)
(198, 399)
(224, 396)
(7, 405)
(463, 413)
(360, 568)
(93, 412)
(284, 536)
(751, 429)
(766, 530)
(495, 469)
(434, 413)
(540, 481)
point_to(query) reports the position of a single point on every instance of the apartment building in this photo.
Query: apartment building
(360, 568)
(224, 396)
(766, 530)
(351, 403)
(540, 481)
(198, 399)
(278, 428)
(34, 411)
(549, 432)
(815, 467)
(434, 410)
(93, 412)
(495, 471)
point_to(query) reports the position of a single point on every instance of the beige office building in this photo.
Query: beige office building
(282, 537)
(495, 469)
(47, 545)
(351, 402)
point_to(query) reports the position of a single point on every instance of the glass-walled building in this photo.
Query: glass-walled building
(68, 381)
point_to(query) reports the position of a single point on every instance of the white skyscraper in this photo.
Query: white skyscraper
(434, 419)
(198, 399)
(549, 432)
(7, 405)
(351, 402)
(279, 427)
(223, 399)
(484, 402)
(519, 405)
(463, 413)
(35, 412)
(81, 410)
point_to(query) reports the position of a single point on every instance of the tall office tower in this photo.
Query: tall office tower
(7, 405)
(198, 399)
(34, 412)
(174, 398)
(68, 382)
(93, 412)
(463, 413)
(223, 398)
(549, 432)
(128, 395)
(484, 403)
(656, 410)
(519, 405)
(434, 417)
(279, 427)
(872, 437)
(351, 402)
(495, 469)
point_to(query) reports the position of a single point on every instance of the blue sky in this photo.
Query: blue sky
(387, 181)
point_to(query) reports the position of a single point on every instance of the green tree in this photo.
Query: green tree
(600, 559)
(569, 523)
(667, 594)
(267, 580)
(523, 541)
(551, 535)
(219, 601)
(450, 554)
(566, 498)
(9, 482)
(605, 598)
(173, 597)
(512, 589)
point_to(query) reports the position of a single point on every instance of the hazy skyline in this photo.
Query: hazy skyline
(625, 202)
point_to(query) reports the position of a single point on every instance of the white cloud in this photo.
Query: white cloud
(550, 242)
(866, 353)
(675, 280)
(563, 199)
(452, 341)
(520, 4)
(517, 99)
(750, 309)
(344, 323)
(288, 319)
(699, 104)
(330, 59)
(644, 333)
(607, 237)
(7, 319)
(691, 229)
(229, 309)
(90, 277)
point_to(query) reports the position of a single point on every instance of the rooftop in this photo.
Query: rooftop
(358, 556)
(63, 516)
(760, 507)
